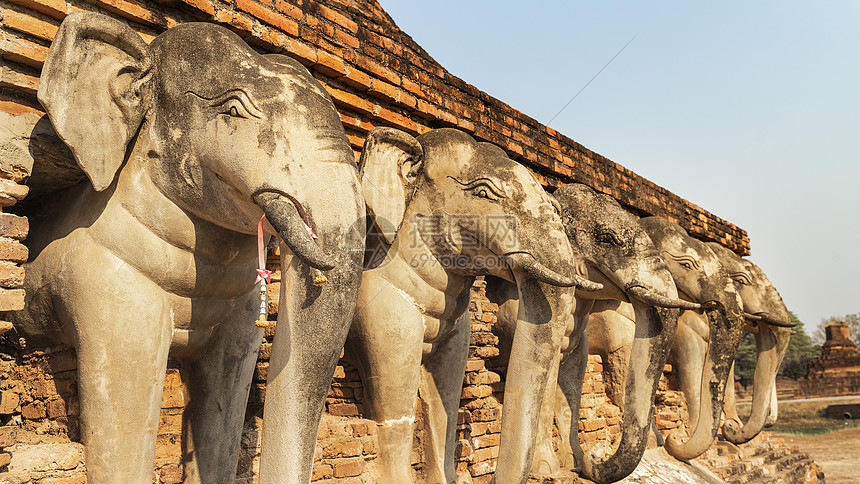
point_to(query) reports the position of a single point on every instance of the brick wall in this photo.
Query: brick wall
(376, 74)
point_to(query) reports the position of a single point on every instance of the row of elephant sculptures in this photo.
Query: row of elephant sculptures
(188, 141)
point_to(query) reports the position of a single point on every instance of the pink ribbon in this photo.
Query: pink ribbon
(262, 272)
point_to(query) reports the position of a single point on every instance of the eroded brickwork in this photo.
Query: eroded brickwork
(376, 74)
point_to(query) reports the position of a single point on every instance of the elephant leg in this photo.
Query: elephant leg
(122, 347)
(545, 460)
(218, 380)
(571, 374)
(440, 388)
(386, 340)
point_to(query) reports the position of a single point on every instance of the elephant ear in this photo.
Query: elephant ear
(390, 163)
(95, 88)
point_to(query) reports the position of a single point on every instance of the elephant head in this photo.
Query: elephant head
(699, 277)
(187, 143)
(618, 253)
(768, 318)
(447, 209)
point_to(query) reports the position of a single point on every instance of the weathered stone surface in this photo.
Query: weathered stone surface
(29, 146)
(46, 457)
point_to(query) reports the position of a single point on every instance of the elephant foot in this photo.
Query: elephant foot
(545, 462)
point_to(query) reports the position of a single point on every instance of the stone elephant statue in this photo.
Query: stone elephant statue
(186, 143)
(769, 320)
(700, 277)
(447, 209)
(616, 252)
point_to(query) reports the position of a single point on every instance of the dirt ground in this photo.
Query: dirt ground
(838, 453)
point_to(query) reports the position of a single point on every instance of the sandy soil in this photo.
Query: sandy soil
(838, 453)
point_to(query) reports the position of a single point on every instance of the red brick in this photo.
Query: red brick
(289, 9)
(13, 250)
(171, 474)
(53, 8)
(29, 25)
(343, 409)
(346, 38)
(33, 411)
(342, 449)
(11, 275)
(302, 52)
(7, 436)
(321, 471)
(11, 299)
(376, 69)
(357, 79)
(9, 401)
(24, 52)
(338, 18)
(56, 408)
(138, 12)
(398, 120)
(13, 226)
(204, 6)
(273, 38)
(350, 100)
(329, 64)
(286, 25)
(237, 23)
(382, 90)
(349, 469)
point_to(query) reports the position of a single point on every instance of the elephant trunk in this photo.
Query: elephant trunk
(541, 317)
(724, 339)
(652, 342)
(659, 300)
(771, 347)
(283, 214)
(766, 348)
(527, 264)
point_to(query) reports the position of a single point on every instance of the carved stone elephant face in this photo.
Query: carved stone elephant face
(478, 211)
(769, 319)
(186, 144)
(700, 277)
(228, 131)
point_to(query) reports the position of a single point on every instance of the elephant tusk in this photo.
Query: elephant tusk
(284, 216)
(659, 300)
(527, 264)
(765, 318)
(752, 317)
(586, 285)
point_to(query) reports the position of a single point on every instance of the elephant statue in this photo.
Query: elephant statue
(617, 253)
(186, 144)
(770, 322)
(447, 209)
(700, 277)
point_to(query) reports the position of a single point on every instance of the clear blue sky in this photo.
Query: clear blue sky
(748, 109)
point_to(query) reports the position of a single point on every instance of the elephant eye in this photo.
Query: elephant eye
(483, 192)
(610, 238)
(482, 188)
(234, 109)
(686, 265)
(741, 278)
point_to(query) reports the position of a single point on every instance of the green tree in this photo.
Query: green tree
(801, 350)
